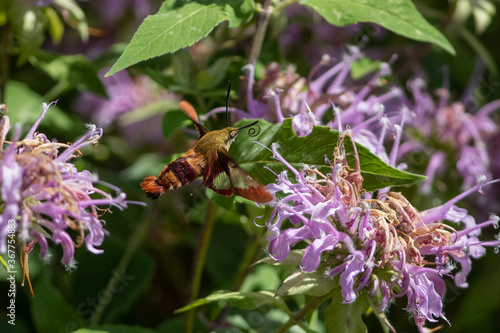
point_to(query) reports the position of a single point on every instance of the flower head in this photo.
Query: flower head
(454, 124)
(381, 246)
(47, 197)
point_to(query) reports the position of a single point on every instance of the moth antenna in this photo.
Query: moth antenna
(227, 103)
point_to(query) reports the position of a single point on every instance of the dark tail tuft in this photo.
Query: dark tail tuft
(152, 188)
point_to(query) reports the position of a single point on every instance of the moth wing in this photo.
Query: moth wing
(225, 177)
(190, 112)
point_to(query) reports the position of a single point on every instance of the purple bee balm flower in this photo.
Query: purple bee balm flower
(126, 94)
(380, 246)
(47, 196)
(467, 131)
(284, 94)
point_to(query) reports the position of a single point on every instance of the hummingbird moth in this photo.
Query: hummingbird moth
(210, 159)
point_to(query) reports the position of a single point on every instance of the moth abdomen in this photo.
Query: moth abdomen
(183, 171)
(180, 172)
(152, 188)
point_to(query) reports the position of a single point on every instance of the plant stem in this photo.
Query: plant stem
(55, 91)
(262, 23)
(134, 242)
(252, 250)
(4, 59)
(199, 262)
(258, 40)
(296, 318)
(283, 4)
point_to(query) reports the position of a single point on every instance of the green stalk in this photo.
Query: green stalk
(199, 262)
(5, 61)
(262, 23)
(283, 4)
(252, 250)
(296, 318)
(55, 91)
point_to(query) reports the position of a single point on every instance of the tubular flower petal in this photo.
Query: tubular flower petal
(47, 197)
(381, 246)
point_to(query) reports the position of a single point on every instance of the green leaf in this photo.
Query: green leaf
(4, 6)
(27, 30)
(25, 107)
(345, 318)
(310, 150)
(50, 310)
(142, 167)
(294, 258)
(179, 24)
(363, 66)
(55, 25)
(210, 78)
(21, 325)
(310, 283)
(244, 300)
(172, 121)
(263, 277)
(478, 47)
(483, 12)
(75, 71)
(76, 16)
(182, 69)
(399, 16)
(152, 109)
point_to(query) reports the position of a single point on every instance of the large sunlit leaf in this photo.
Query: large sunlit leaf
(310, 150)
(179, 24)
(399, 16)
